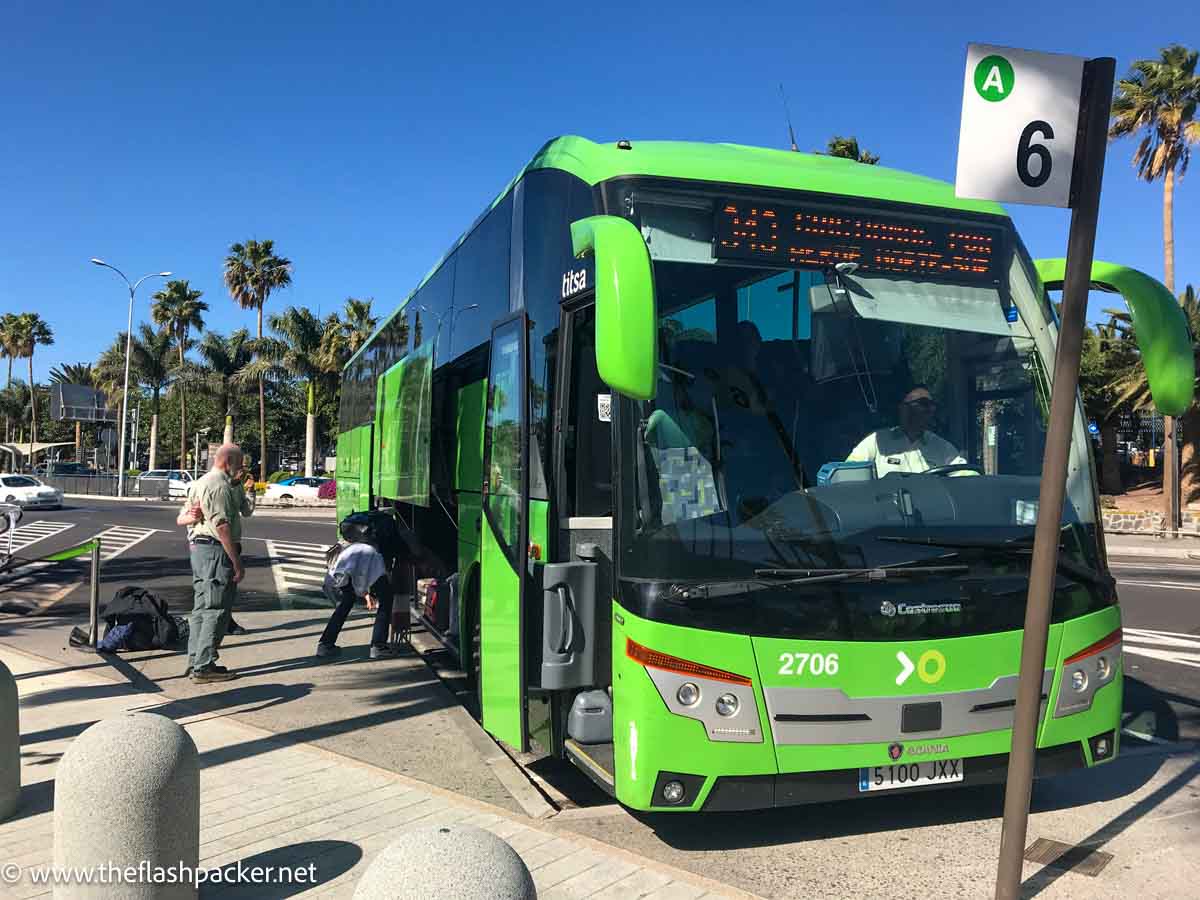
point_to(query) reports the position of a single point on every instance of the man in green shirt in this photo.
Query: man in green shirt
(216, 504)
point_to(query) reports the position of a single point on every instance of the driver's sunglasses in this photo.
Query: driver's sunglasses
(923, 403)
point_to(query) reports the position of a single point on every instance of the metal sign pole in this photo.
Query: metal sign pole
(94, 599)
(1097, 93)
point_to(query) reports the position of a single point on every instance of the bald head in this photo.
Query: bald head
(228, 458)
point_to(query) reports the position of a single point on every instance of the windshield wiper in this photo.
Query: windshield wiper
(784, 577)
(1016, 548)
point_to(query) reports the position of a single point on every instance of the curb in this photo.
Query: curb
(504, 768)
(1133, 550)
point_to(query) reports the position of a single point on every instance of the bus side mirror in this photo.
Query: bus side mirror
(1159, 325)
(626, 311)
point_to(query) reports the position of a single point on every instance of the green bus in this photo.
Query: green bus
(724, 462)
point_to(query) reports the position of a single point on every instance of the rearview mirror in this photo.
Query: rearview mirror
(626, 311)
(1159, 325)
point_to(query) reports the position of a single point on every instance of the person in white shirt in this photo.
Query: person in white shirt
(909, 446)
(357, 570)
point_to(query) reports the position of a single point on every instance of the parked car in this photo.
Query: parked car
(295, 488)
(70, 468)
(27, 492)
(149, 484)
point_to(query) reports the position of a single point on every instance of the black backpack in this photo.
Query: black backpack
(153, 627)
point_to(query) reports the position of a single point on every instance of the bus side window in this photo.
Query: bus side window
(589, 437)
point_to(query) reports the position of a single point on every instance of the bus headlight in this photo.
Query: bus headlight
(673, 791)
(727, 705)
(1086, 672)
(688, 694)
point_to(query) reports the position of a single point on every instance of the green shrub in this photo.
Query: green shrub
(277, 477)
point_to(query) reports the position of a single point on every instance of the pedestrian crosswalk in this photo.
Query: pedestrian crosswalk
(1169, 646)
(299, 571)
(25, 535)
(117, 539)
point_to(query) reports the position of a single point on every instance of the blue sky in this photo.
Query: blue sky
(363, 138)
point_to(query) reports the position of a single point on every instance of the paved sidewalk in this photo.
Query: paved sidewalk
(1125, 545)
(267, 802)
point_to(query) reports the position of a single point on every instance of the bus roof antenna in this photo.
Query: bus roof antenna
(788, 115)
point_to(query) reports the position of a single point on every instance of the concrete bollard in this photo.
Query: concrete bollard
(10, 745)
(127, 794)
(459, 861)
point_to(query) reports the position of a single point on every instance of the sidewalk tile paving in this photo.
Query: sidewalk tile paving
(293, 803)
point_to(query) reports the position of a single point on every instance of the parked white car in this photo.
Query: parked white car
(27, 492)
(300, 488)
(149, 484)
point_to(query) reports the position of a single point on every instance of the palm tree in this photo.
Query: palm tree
(222, 358)
(1158, 99)
(72, 373)
(154, 368)
(177, 308)
(357, 323)
(296, 351)
(10, 350)
(252, 273)
(13, 404)
(847, 148)
(31, 332)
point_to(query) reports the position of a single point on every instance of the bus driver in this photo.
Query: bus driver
(909, 446)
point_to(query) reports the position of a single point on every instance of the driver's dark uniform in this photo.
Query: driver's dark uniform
(892, 451)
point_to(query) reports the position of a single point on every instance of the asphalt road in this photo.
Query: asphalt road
(142, 545)
(1160, 612)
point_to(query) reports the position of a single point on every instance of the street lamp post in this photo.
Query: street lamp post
(196, 457)
(128, 351)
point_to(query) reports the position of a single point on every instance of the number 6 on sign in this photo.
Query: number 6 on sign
(1020, 115)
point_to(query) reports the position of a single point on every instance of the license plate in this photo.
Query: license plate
(901, 775)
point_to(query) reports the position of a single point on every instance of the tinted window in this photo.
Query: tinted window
(506, 388)
(481, 280)
(430, 311)
(550, 201)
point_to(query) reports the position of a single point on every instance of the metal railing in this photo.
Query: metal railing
(97, 485)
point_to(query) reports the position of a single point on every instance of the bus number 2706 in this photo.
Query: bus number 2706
(808, 663)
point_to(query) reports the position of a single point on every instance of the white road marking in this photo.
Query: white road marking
(117, 539)
(1162, 645)
(1173, 585)
(299, 572)
(25, 535)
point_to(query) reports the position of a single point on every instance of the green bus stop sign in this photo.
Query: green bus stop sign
(994, 78)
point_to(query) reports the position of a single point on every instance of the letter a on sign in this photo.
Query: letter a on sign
(993, 81)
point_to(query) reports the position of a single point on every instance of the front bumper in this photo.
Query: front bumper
(730, 793)
(41, 503)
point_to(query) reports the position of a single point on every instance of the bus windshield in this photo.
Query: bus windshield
(829, 417)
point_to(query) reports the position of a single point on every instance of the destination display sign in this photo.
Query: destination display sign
(815, 236)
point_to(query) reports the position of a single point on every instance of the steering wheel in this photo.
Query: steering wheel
(954, 467)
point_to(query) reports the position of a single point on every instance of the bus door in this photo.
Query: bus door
(581, 664)
(505, 535)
